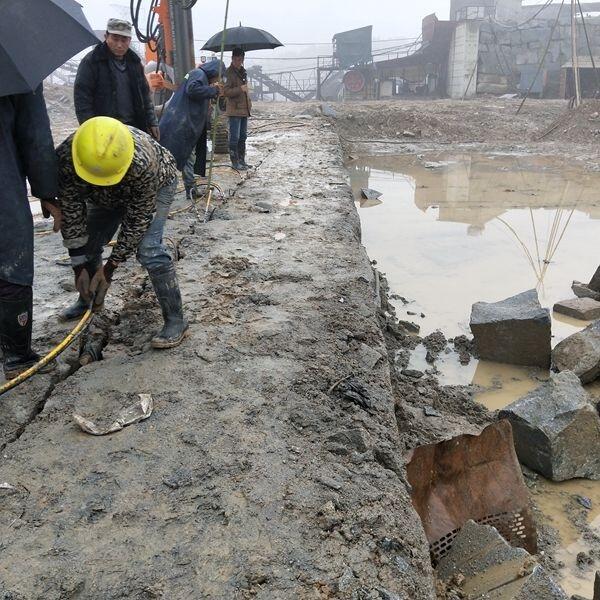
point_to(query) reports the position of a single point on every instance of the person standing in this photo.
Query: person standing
(112, 175)
(110, 82)
(183, 127)
(27, 152)
(239, 108)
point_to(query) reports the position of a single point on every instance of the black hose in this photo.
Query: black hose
(149, 36)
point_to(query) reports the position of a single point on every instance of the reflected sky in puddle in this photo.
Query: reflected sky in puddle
(486, 227)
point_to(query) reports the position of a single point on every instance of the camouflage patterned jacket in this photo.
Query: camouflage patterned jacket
(152, 168)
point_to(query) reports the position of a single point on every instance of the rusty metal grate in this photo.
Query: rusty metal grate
(474, 477)
(511, 526)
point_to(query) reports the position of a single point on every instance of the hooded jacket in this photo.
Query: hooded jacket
(95, 91)
(185, 118)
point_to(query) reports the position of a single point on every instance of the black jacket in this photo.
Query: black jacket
(27, 152)
(96, 88)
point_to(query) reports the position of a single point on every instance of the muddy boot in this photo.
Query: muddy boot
(166, 288)
(15, 336)
(242, 156)
(75, 311)
(235, 161)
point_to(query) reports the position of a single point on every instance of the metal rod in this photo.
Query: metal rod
(574, 57)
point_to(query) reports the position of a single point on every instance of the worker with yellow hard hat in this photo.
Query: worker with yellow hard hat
(112, 175)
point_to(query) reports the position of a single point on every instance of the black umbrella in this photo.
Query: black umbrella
(246, 38)
(37, 37)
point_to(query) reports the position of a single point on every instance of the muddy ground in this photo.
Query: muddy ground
(272, 464)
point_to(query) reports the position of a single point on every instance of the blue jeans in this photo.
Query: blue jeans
(238, 132)
(104, 222)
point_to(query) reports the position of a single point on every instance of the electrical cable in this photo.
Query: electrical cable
(516, 27)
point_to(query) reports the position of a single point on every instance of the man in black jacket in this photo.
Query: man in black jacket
(27, 152)
(111, 82)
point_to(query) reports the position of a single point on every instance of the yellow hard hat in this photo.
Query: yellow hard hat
(102, 151)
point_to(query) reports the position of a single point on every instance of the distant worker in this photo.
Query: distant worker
(239, 108)
(111, 82)
(27, 152)
(112, 175)
(183, 127)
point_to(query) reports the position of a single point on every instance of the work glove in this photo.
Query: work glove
(82, 281)
(100, 284)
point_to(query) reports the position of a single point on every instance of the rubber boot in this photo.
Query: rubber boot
(242, 156)
(75, 311)
(235, 161)
(15, 336)
(166, 288)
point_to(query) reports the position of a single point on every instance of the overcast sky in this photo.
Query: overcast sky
(297, 21)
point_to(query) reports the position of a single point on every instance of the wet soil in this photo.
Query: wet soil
(254, 477)
(272, 465)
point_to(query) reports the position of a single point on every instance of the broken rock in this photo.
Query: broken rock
(581, 290)
(585, 309)
(489, 565)
(516, 331)
(580, 353)
(557, 429)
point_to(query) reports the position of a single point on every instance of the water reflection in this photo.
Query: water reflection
(478, 227)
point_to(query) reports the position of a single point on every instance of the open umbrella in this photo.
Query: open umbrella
(246, 38)
(37, 37)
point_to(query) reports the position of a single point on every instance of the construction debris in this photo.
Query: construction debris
(369, 194)
(585, 309)
(129, 415)
(580, 353)
(471, 477)
(556, 429)
(515, 331)
(582, 290)
(483, 565)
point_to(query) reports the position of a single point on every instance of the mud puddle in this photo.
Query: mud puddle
(452, 229)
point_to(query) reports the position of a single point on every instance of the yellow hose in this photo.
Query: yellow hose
(85, 321)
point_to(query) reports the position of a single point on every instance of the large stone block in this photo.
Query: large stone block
(580, 353)
(556, 429)
(584, 309)
(515, 331)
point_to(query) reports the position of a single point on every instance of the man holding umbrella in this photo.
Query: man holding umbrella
(27, 152)
(239, 40)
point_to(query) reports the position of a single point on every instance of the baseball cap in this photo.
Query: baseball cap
(119, 27)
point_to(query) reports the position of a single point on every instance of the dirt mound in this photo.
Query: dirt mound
(580, 125)
(446, 121)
